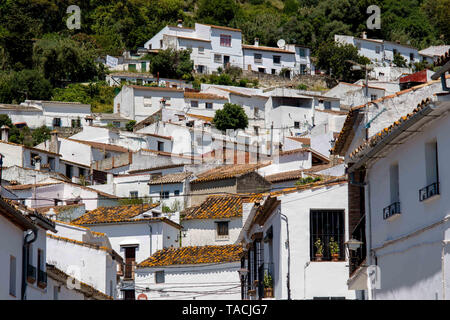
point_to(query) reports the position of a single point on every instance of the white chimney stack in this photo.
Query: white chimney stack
(5, 133)
(256, 42)
(54, 146)
(180, 23)
(364, 35)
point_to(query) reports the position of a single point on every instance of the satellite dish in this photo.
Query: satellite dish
(281, 43)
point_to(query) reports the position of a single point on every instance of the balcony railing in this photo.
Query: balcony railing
(42, 279)
(429, 191)
(391, 210)
(31, 273)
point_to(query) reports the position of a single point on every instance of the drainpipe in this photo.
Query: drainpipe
(288, 276)
(151, 233)
(25, 254)
(368, 232)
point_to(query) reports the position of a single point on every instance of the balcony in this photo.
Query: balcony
(31, 273)
(429, 191)
(42, 279)
(392, 211)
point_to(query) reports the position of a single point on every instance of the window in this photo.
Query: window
(358, 45)
(159, 277)
(57, 122)
(377, 49)
(276, 59)
(324, 225)
(69, 171)
(373, 97)
(111, 289)
(81, 173)
(51, 162)
(75, 123)
(209, 105)
(296, 124)
(160, 43)
(394, 183)
(33, 159)
(130, 257)
(222, 228)
(394, 51)
(164, 195)
(225, 40)
(327, 105)
(194, 104)
(12, 276)
(201, 50)
(176, 193)
(200, 69)
(218, 58)
(116, 124)
(160, 146)
(262, 70)
(302, 53)
(55, 292)
(134, 194)
(411, 57)
(274, 71)
(132, 67)
(432, 171)
(257, 57)
(129, 294)
(303, 69)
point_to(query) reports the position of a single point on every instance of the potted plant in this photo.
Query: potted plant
(319, 249)
(334, 250)
(268, 286)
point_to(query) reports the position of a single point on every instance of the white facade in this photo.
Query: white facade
(202, 232)
(199, 282)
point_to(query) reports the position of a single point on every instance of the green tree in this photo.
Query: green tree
(130, 125)
(16, 86)
(332, 56)
(174, 64)
(232, 116)
(219, 12)
(40, 135)
(399, 61)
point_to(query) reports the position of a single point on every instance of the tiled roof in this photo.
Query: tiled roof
(375, 139)
(156, 88)
(193, 255)
(18, 107)
(443, 59)
(100, 145)
(300, 139)
(227, 172)
(57, 274)
(30, 148)
(58, 209)
(171, 178)
(205, 118)
(29, 186)
(311, 186)
(203, 95)
(113, 214)
(215, 207)
(345, 134)
(221, 27)
(306, 149)
(285, 176)
(194, 39)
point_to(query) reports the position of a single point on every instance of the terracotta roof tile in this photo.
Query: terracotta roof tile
(113, 214)
(226, 172)
(100, 145)
(376, 138)
(193, 255)
(443, 59)
(215, 207)
(203, 95)
(171, 178)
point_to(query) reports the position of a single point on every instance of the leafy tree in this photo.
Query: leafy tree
(130, 125)
(64, 60)
(174, 64)
(232, 116)
(219, 12)
(16, 86)
(40, 135)
(399, 61)
(332, 56)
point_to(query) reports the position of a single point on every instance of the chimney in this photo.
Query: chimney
(89, 120)
(256, 42)
(109, 178)
(180, 23)
(54, 146)
(37, 163)
(4, 133)
(364, 35)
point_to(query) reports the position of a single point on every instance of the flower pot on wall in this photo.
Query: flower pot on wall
(319, 257)
(335, 257)
(268, 292)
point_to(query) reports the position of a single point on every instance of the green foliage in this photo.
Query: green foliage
(130, 201)
(399, 61)
(319, 246)
(130, 125)
(40, 135)
(334, 246)
(332, 57)
(232, 116)
(16, 86)
(173, 64)
(268, 281)
(306, 180)
(302, 86)
(64, 60)
(98, 94)
(218, 12)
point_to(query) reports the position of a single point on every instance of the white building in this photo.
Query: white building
(352, 95)
(198, 272)
(279, 237)
(170, 190)
(135, 232)
(380, 51)
(403, 170)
